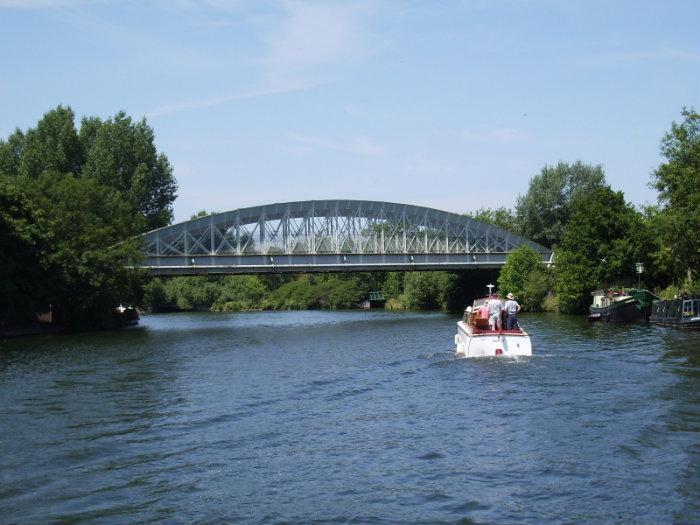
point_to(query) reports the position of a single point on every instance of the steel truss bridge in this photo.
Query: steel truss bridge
(328, 236)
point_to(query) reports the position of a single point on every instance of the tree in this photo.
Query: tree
(678, 183)
(86, 221)
(603, 240)
(123, 156)
(52, 146)
(11, 153)
(89, 127)
(429, 290)
(82, 193)
(22, 257)
(393, 284)
(502, 217)
(542, 213)
(240, 292)
(524, 276)
(202, 213)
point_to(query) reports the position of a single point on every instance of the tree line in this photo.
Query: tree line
(403, 290)
(69, 196)
(598, 237)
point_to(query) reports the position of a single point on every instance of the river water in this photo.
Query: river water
(349, 417)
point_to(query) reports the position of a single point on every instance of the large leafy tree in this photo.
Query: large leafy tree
(52, 146)
(83, 191)
(603, 240)
(86, 222)
(678, 183)
(23, 276)
(123, 156)
(543, 212)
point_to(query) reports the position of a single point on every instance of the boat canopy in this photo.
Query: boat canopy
(691, 308)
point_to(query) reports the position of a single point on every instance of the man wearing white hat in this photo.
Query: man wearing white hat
(512, 308)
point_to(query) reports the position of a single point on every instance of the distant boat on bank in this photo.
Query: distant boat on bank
(628, 305)
(126, 315)
(679, 313)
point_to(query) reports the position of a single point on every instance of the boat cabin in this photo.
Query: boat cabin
(677, 312)
(691, 308)
(477, 318)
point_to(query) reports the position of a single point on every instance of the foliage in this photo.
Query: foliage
(685, 288)
(322, 291)
(328, 291)
(22, 257)
(429, 290)
(83, 219)
(11, 153)
(394, 284)
(604, 238)
(573, 282)
(543, 212)
(53, 146)
(678, 183)
(185, 293)
(550, 303)
(525, 277)
(502, 217)
(154, 295)
(244, 292)
(83, 192)
(202, 213)
(537, 287)
(123, 156)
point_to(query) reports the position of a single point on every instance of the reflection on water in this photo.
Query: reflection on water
(349, 417)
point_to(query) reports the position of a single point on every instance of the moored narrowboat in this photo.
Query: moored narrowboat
(679, 313)
(627, 305)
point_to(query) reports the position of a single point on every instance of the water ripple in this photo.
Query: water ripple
(349, 417)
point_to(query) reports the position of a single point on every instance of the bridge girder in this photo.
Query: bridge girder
(329, 235)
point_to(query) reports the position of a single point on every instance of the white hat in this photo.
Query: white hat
(510, 296)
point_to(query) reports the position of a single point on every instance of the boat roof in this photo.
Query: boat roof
(482, 300)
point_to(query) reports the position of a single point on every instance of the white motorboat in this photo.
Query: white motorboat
(474, 337)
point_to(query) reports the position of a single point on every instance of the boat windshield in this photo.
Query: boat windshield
(691, 308)
(479, 302)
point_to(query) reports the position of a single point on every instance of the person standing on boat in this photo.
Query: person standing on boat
(495, 309)
(512, 308)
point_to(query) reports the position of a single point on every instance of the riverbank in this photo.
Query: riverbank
(449, 291)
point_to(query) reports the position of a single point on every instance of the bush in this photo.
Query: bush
(430, 290)
(526, 277)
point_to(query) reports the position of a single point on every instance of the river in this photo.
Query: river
(349, 417)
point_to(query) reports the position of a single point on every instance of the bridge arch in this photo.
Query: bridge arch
(328, 235)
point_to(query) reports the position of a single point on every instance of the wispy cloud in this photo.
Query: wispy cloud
(315, 36)
(502, 135)
(355, 146)
(622, 57)
(149, 46)
(231, 97)
(303, 46)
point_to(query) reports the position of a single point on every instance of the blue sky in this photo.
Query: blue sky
(454, 105)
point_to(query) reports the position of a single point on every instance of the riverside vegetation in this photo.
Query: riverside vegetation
(69, 195)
